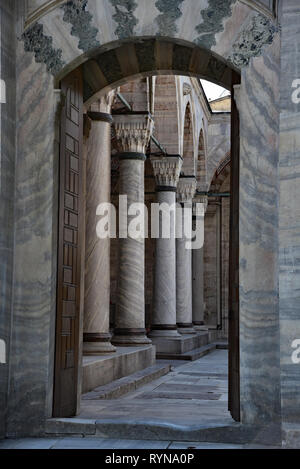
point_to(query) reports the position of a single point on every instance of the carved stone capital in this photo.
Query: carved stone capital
(133, 131)
(104, 103)
(186, 189)
(166, 169)
(200, 204)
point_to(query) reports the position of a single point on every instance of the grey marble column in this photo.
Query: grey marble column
(184, 311)
(166, 171)
(133, 132)
(96, 336)
(199, 208)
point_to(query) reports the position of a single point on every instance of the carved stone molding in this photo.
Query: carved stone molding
(186, 189)
(259, 32)
(133, 131)
(187, 89)
(166, 169)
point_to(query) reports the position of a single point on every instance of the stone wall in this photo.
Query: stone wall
(34, 303)
(259, 315)
(7, 187)
(289, 212)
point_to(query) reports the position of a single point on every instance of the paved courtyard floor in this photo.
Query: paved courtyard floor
(192, 393)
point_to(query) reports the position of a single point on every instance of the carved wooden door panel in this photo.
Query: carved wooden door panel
(69, 249)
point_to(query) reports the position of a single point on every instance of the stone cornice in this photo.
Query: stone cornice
(186, 189)
(133, 131)
(166, 169)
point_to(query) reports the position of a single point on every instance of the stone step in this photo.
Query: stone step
(149, 430)
(129, 383)
(221, 345)
(100, 370)
(191, 355)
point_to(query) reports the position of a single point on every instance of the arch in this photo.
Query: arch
(113, 65)
(221, 173)
(188, 167)
(201, 164)
(166, 113)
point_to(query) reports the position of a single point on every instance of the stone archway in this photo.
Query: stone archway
(46, 60)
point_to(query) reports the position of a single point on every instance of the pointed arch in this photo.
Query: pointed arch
(166, 113)
(201, 164)
(188, 167)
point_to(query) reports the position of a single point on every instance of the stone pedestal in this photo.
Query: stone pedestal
(199, 208)
(166, 171)
(133, 132)
(185, 192)
(96, 336)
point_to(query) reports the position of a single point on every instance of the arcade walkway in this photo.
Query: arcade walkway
(192, 393)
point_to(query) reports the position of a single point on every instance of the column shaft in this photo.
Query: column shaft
(198, 267)
(133, 134)
(185, 191)
(96, 335)
(166, 171)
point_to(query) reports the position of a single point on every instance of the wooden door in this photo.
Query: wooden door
(69, 249)
(234, 320)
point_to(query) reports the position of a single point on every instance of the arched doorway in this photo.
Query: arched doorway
(80, 88)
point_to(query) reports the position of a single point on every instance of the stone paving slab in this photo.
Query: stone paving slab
(169, 387)
(180, 395)
(110, 443)
(197, 445)
(28, 443)
(207, 375)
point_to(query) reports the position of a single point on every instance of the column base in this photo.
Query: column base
(186, 328)
(164, 330)
(130, 337)
(199, 326)
(97, 344)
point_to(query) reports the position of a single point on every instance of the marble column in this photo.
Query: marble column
(96, 336)
(166, 171)
(184, 311)
(133, 133)
(199, 208)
